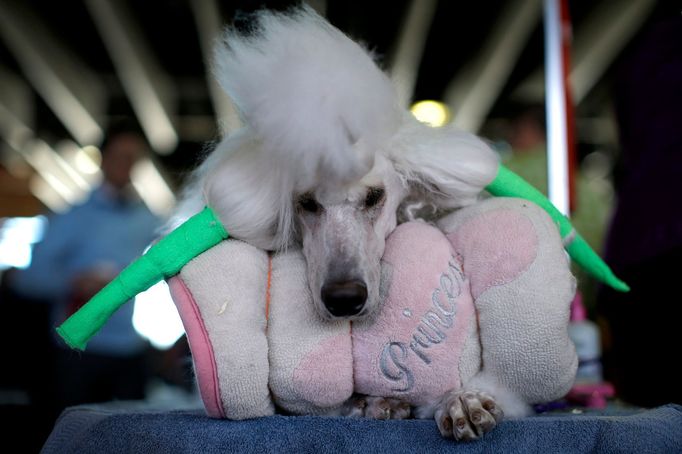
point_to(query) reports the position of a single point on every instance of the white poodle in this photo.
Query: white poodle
(328, 160)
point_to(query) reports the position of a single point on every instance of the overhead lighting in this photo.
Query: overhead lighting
(68, 87)
(88, 160)
(410, 47)
(152, 188)
(48, 193)
(148, 88)
(50, 165)
(433, 113)
(85, 162)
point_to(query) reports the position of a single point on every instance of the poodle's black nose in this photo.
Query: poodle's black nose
(344, 299)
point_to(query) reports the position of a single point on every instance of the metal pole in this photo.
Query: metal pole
(555, 104)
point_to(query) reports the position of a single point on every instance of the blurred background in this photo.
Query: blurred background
(69, 70)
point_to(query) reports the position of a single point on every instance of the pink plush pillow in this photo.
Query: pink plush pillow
(452, 301)
(413, 348)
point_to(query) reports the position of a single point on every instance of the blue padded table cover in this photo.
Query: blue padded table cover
(98, 429)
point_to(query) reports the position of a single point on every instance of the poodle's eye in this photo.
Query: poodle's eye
(374, 196)
(308, 203)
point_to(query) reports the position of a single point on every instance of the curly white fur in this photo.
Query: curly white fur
(315, 98)
(323, 123)
(318, 111)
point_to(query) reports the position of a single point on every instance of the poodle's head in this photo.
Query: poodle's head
(343, 232)
(327, 156)
(343, 228)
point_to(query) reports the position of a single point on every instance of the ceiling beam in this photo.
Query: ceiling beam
(14, 130)
(148, 88)
(63, 179)
(597, 43)
(20, 137)
(410, 48)
(152, 187)
(69, 185)
(17, 96)
(44, 191)
(208, 22)
(602, 37)
(16, 164)
(473, 92)
(68, 87)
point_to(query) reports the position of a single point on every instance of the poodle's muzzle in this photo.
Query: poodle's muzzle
(344, 298)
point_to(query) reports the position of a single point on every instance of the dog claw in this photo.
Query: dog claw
(467, 415)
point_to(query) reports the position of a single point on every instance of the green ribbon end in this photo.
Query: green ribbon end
(163, 260)
(509, 184)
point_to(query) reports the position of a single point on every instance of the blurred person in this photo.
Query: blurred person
(83, 250)
(644, 244)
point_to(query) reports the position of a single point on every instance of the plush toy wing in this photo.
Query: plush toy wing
(163, 260)
(204, 230)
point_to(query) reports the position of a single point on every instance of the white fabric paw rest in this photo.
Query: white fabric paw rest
(491, 285)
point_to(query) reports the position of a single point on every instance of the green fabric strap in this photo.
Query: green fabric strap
(164, 259)
(509, 184)
(204, 230)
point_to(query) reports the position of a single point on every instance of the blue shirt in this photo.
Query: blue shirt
(106, 231)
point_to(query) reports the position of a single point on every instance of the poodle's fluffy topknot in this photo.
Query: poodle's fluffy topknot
(315, 99)
(317, 110)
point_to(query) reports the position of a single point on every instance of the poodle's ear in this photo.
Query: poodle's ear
(446, 166)
(251, 197)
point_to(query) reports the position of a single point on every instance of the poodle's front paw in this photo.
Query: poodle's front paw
(387, 408)
(379, 408)
(467, 415)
